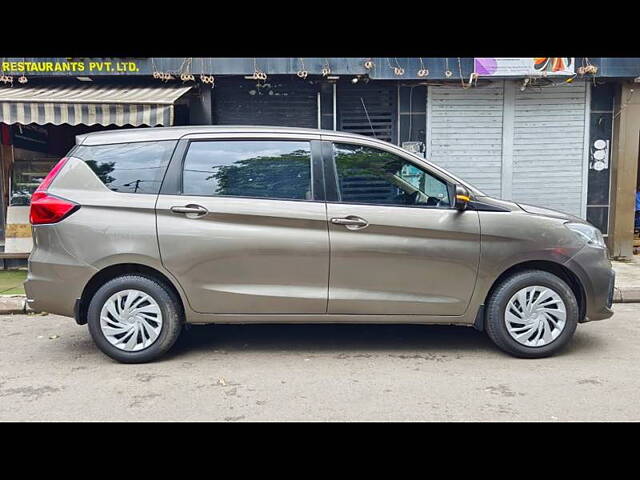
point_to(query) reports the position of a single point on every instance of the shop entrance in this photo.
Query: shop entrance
(39, 124)
(29, 152)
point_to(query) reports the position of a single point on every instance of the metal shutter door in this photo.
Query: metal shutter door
(378, 119)
(286, 103)
(464, 134)
(548, 146)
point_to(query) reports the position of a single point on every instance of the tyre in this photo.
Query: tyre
(532, 314)
(134, 318)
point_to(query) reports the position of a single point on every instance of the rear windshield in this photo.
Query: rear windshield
(128, 167)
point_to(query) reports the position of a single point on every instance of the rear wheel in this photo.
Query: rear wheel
(134, 319)
(532, 314)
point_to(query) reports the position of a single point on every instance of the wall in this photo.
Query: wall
(626, 140)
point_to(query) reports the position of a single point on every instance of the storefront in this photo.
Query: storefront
(531, 139)
(39, 125)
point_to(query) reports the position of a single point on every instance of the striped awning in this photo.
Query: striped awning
(90, 105)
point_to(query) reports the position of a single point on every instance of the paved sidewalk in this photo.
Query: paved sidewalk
(627, 288)
(627, 280)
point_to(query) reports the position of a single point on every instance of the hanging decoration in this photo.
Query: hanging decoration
(185, 71)
(22, 78)
(447, 72)
(326, 70)
(206, 79)
(587, 67)
(257, 73)
(397, 70)
(473, 78)
(423, 72)
(6, 79)
(302, 73)
(163, 76)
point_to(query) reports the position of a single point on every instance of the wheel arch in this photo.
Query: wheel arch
(554, 268)
(112, 271)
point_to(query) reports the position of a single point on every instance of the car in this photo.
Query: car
(138, 232)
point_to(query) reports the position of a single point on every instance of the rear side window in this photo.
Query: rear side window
(249, 168)
(128, 167)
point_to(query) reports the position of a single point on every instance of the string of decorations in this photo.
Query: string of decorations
(206, 79)
(22, 78)
(185, 68)
(302, 72)
(423, 72)
(473, 78)
(397, 70)
(326, 69)
(447, 72)
(4, 78)
(258, 74)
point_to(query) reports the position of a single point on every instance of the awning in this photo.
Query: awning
(90, 105)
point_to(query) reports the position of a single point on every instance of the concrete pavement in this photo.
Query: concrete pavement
(627, 280)
(50, 370)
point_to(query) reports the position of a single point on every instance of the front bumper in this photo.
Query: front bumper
(593, 268)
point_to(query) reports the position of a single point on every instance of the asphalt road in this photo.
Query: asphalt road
(50, 370)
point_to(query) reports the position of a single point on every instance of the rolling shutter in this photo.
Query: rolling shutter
(369, 110)
(285, 103)
(548, 146)
(465, 133)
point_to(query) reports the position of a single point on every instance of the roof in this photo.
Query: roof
(175, 133)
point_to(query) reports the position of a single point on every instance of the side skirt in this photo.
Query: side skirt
(463, 320)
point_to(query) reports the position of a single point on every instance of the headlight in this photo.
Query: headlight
(588, 232)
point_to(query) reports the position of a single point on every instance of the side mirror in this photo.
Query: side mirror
(461, 197)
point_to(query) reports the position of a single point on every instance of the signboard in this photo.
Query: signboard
(523, 67)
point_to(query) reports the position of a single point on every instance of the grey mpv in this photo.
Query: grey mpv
(137, 232)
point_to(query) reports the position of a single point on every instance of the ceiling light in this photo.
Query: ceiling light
(84, 79)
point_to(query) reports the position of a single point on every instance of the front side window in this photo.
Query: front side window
(128, 167)
(249, 168)
(370, 175)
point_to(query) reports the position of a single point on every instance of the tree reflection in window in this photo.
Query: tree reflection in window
(370, 175)
(269, 169)
(135, 167)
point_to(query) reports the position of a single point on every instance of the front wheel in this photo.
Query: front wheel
(134, 319)
(532, 314)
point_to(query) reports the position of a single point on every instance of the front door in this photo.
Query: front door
(245, 233)
(397, 245)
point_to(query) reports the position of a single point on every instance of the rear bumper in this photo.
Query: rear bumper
(55, 278)
(46, 290)
(593, 268)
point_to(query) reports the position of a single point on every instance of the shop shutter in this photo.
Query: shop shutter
(464, 133)
(548, 146)
(369, 110)
(278, 102)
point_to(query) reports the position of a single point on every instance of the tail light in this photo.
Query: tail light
(46, 208)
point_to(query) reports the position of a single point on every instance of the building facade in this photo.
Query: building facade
(548, 141)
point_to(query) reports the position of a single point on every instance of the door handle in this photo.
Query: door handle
(192, 209)
(351, 222)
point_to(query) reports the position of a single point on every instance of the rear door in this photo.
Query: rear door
(242, 224)
(397, 245)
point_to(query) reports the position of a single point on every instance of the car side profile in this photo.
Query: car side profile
(138, 232)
